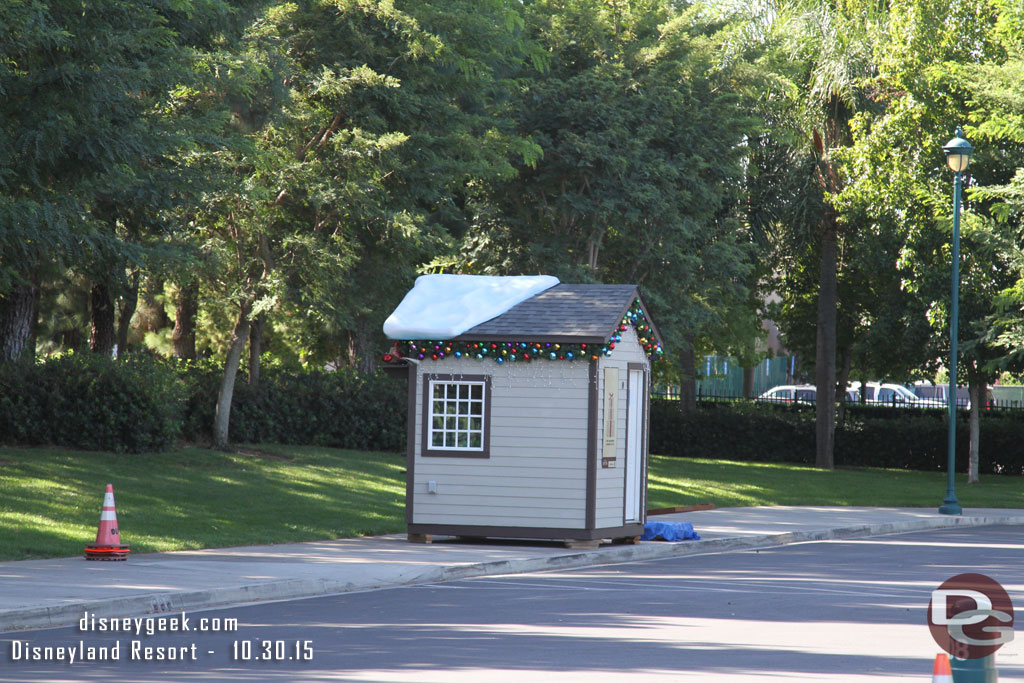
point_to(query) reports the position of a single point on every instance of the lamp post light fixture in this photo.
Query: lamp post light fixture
(958, 156)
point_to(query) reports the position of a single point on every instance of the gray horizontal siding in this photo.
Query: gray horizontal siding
(563, 476)
(508, 478)
(557, 516)
(536, 473)
(473, 518)
(506, 464)
(629, 349)
(610, 483)
(548, 441)
(521, 424)
(551, 397)
(501, 495)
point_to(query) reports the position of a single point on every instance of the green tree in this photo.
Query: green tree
(829, 60)
(997, 110)
(400, 116)
(87, 133)
(369, 125)
(641, 117)
(997, 90)
(898, 187)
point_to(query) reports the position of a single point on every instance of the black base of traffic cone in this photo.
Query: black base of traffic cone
(107, 552)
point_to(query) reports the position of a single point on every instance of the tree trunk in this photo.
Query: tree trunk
(183, 338)
(748, 382)
(361, 354)
(17, 320)
(825, 405)
(846, 354)
(976, 386)
(256, 347)
(151, 316)
(125, 311)
(227, 387)
(101, 332)
(688, 380)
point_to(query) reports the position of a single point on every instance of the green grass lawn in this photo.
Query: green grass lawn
(685, 481)
(198, 498)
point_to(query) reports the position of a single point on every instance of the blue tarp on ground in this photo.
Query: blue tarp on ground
(669, 531)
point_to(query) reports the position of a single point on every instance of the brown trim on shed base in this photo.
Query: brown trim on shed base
(627, 540)
(681, 508)
(541, 533)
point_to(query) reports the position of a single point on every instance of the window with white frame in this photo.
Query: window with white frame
(456, 415)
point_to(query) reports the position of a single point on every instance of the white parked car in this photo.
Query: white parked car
(789, 393)
(799, 393)
(940, 393)
(895, 395)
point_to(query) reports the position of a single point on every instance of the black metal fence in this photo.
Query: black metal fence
(808, 396)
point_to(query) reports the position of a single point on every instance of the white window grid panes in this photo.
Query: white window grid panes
(456, 416)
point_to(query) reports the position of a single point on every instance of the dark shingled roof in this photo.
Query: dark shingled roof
(587, 314)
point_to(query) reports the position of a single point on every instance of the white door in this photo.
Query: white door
(634, 445)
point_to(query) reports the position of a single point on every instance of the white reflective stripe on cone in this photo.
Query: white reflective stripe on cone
(941, 671)
(108, 499)
(108, 516)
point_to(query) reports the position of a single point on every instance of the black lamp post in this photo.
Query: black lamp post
(958, 156)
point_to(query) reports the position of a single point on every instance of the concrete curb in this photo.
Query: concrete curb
(176, 601)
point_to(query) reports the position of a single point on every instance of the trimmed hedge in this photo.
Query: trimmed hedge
(342, 409)
(92, 402)
(869, 437)
(772, 433)
(141, 404)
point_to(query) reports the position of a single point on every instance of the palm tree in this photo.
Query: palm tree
(829, 50)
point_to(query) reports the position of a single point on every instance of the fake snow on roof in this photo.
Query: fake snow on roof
(445, 306)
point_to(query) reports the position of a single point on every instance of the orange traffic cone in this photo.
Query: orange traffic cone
(108, 544)
(941, 672)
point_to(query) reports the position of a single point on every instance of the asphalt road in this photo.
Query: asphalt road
(832, 611)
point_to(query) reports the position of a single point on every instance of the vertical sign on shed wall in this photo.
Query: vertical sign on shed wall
(609, 426)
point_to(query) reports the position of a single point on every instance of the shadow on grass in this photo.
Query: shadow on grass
(195, 498)
(686, 481)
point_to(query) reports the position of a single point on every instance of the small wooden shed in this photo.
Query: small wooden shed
(531, 423)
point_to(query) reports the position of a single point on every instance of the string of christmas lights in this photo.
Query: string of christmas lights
(512, 352)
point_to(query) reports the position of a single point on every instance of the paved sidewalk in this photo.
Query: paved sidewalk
(44, 593)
